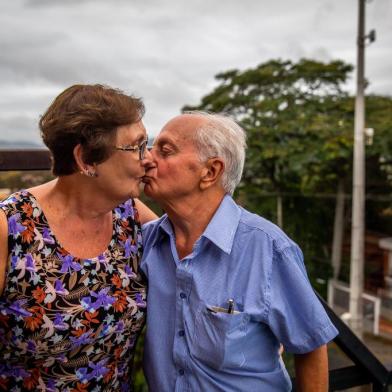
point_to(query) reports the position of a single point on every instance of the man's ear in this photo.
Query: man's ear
(83, 168)
(212, 172)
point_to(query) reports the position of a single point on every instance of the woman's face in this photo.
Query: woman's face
(120, 175)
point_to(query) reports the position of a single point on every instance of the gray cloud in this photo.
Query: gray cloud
(167, 51)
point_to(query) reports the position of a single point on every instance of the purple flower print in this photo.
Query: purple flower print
(59, 323)
(105, 331)
(59, 287)
(102, 259)
(128, 211)
(51, 385)
(48, 239)
(68, 264)
(120, 326)
(30, 264)
(8, 371)
(99, 370)
(82, 375)
(102, 300)
(61, 358)
(81, 340)
(129, 271)
(31, 346)
(88, 304)
(14, 261)
(14, 227)
(129, 248)
(139, 301)
(16, 308)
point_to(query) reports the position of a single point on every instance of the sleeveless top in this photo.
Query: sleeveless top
(69, 324)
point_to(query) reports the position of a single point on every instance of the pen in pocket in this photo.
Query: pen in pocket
(220, 309)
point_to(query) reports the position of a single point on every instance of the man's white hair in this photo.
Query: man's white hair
(220, 136)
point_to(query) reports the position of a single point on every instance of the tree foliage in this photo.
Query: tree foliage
(299, 123)
(289, 110)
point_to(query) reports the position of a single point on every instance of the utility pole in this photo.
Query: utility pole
(358, 200)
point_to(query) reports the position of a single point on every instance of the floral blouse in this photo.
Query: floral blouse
(69, 324)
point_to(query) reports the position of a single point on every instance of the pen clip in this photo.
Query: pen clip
(230, 308)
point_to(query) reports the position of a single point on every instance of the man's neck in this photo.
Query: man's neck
(190, 217)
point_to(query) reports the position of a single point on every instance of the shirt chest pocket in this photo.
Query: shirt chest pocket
(219, 338)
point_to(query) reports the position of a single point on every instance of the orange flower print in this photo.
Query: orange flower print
(123, 237)
(32, 323)
(27, 235)
(109, 374)
(116, 281)
(79, 332)
(121, 301)
(27, 209)
(91, 317)
(31, 382)
(117, 353)
(39, 294)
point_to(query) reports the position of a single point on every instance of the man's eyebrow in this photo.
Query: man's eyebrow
(164, 141)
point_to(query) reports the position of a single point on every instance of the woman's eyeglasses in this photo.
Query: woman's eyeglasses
(141, 147)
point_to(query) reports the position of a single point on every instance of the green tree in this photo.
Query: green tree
(299, 124)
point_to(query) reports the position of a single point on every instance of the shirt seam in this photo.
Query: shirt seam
(274, 240)
(267, 292)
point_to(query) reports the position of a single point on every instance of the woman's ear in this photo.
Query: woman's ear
(212, 172)
(83, 168)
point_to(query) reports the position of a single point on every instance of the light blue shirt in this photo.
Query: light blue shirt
(191, 345)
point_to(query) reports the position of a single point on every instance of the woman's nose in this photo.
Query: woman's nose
(147, 161)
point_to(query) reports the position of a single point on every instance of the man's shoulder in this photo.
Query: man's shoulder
(263, 229)
(151, 228)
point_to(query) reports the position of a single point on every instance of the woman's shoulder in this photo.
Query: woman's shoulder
(15, 200)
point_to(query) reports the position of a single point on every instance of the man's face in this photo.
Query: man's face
(176, 168)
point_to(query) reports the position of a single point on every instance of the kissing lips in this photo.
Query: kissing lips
(146, 179)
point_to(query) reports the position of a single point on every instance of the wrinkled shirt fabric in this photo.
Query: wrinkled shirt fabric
(191, 344)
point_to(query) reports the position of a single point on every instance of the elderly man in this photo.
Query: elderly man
(226, 287)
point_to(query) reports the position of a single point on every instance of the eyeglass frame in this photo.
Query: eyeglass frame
(141, 148)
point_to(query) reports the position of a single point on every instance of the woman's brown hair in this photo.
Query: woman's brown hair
(88, 115)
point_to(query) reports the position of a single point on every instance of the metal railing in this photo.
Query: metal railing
(367, 369)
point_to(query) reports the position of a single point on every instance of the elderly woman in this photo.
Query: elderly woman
(72, 301)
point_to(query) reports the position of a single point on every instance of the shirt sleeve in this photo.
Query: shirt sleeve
(295, 315)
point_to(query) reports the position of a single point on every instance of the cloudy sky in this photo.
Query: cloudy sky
(168, 51)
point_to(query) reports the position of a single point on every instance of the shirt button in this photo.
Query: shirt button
(181, 333)
(181, 372)
(182, 295)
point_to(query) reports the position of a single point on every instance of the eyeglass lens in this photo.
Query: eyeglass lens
(142, 149)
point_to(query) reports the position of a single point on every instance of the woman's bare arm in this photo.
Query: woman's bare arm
(145, 213)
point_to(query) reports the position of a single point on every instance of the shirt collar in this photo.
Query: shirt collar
(164, 227)
(223, 225)
(220, 230)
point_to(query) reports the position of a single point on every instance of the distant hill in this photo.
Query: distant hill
(19, 144)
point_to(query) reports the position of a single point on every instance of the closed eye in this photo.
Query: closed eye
(165, 149)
